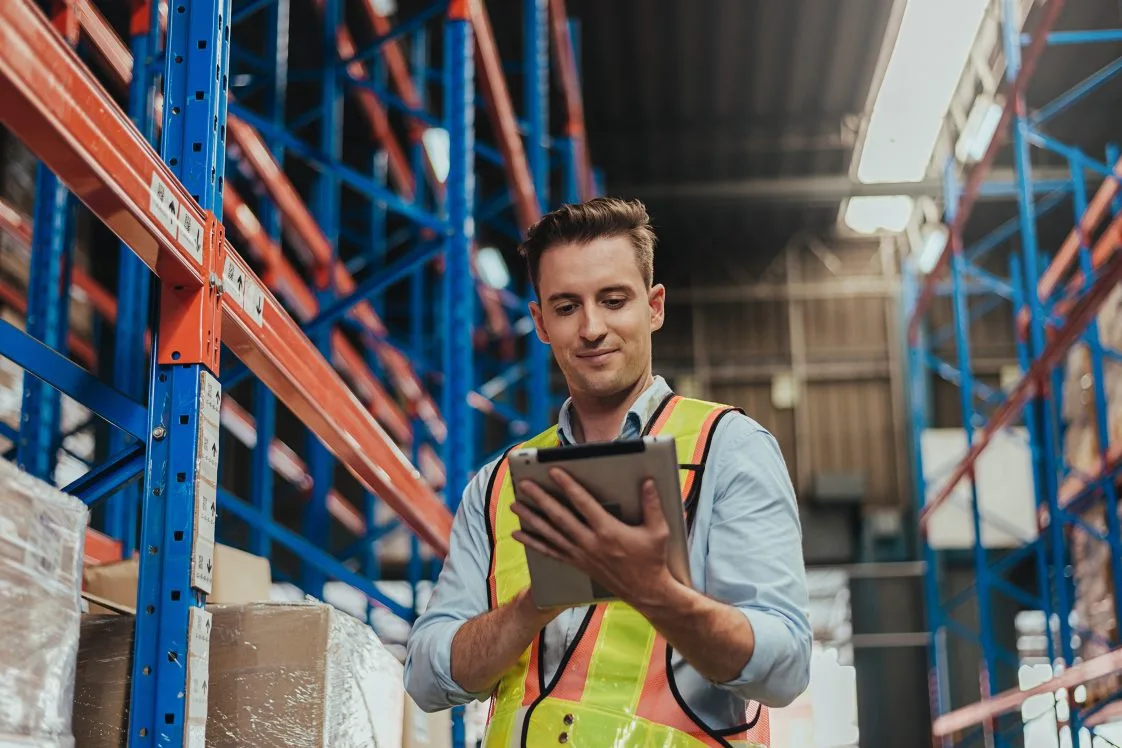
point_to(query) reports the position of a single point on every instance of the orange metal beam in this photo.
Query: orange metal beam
(1014, 98)
(500, 111)
(1061, 263)
(570, 86)
(1036, 379)
(54, 105)
(100, 549)
(233, 417)
(1010, 701)
(279, 274)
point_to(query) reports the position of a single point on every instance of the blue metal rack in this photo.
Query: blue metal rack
(166, 421)
(1055, 308)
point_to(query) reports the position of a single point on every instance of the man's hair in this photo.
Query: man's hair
(582, 223)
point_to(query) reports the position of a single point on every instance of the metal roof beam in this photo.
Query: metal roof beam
(830, 189)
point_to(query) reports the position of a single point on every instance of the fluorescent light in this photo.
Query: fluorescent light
(979, 130)
(437, 145)
(868, 215)
(384, 7)
(927, 61)
(934, 242)
(491, 266)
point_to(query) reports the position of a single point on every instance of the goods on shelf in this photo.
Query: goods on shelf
(238, 577)
(41, 536)
(281, 674)
(1094, 596)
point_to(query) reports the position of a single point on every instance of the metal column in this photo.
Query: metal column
(171, 650)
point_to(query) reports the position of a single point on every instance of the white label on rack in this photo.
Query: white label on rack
(190, 234)
(233, 282)
(206, 481)
(163, 205)
(199, 622)
(202, 563)
(197, 687)
(254, 301)
(196, 736)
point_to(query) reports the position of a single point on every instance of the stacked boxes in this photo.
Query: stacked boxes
(1094, 597)
(41, 535)
(287, 675)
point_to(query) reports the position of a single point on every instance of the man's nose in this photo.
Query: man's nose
(592, 325)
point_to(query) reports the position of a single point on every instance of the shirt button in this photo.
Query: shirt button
(568, 720)
(563, 737)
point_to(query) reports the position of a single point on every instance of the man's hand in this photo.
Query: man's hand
(630, 561)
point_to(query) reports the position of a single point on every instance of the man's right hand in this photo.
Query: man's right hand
(490, 644)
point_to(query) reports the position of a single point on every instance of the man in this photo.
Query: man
(669, 664)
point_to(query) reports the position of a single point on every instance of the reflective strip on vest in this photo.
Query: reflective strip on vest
(613, 688)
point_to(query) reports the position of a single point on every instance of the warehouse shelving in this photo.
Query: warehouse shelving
(1056, 306)
(157, 177)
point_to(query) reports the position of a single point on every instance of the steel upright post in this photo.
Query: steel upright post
(171, 649)
(134, 280)
(321, 465)
(459, 293)
(917, 371)
(48, 316)
(536, 97)
(1045, 425)
(264, 401)
(48, 300)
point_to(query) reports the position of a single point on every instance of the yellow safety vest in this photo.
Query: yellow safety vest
(614, 687)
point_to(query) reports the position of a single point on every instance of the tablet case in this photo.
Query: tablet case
(613, 472)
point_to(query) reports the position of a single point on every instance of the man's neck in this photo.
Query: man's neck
(599, 419)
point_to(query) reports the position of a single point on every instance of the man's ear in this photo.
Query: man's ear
(656, 297)
(539, 322)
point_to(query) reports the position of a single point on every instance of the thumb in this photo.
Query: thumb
(652, 507)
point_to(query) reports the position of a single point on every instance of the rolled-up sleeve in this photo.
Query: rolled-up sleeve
(459, 596)
(755, 561)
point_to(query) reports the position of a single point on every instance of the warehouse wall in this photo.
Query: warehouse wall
(823, 320)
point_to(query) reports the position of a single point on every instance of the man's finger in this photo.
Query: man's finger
(653, 518)
(543, 548)
(533, 523)
(558, 515)
(583, 501)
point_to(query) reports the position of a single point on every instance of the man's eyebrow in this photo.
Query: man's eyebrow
(568, 296)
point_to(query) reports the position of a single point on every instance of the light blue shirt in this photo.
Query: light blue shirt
(745, 550)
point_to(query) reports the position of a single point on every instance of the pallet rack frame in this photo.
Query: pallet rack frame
(171, 209)
(1054, 307)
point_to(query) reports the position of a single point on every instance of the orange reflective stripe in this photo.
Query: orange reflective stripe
(700, 445)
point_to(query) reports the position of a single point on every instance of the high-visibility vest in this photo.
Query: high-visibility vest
(614, 687)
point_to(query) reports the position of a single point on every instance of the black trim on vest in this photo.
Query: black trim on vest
(544, 691)
(658, 412)
(747, 726)
(691, 500)
(717, 735)
(490, 496)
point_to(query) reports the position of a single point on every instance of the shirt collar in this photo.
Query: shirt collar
(637, 415)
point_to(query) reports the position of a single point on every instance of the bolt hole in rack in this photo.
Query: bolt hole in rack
(301, 226)
(1026, 496)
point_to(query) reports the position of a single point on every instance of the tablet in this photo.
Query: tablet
(614, 473)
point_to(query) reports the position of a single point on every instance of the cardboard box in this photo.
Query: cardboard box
(239, 577)
(42, 531)
(284, 675)
(424, 730)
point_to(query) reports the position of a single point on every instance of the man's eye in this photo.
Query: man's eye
(614, 303)
(565, 309)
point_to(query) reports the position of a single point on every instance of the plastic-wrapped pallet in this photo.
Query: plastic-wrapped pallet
(284, 675)
(1094, 598)
(42, 531)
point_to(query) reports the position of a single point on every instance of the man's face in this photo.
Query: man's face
(597, 314)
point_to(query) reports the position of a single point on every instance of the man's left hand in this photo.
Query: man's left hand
(630, 561)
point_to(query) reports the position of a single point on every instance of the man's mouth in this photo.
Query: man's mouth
(596, 357)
